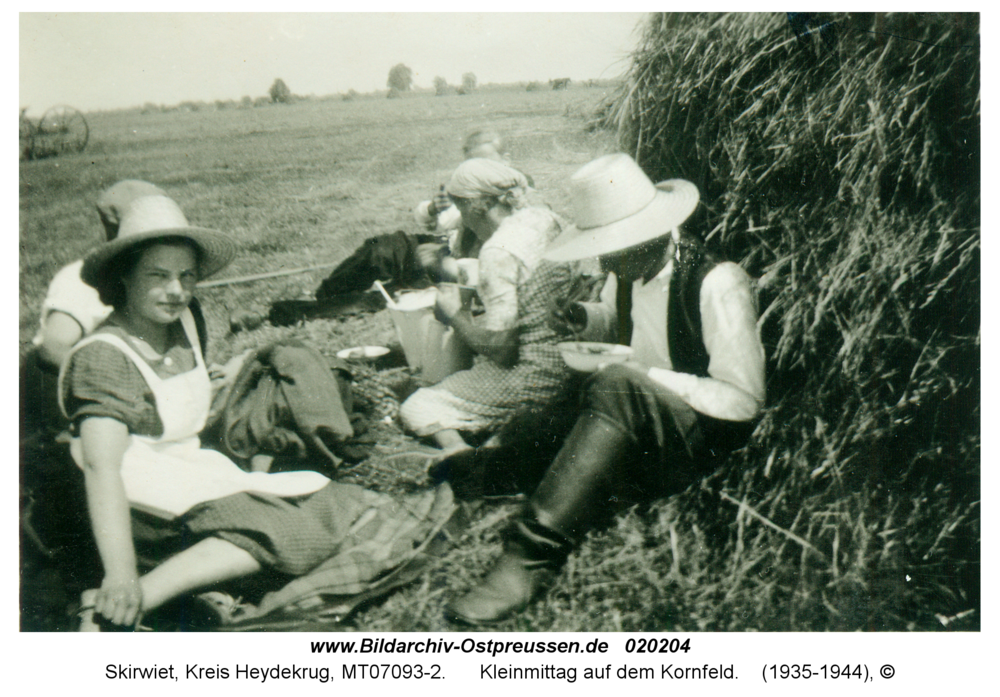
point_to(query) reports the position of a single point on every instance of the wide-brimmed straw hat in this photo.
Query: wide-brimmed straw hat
(616, 206)
(116, 199)
(152, 217)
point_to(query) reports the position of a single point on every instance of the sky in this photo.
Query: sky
(96, 61)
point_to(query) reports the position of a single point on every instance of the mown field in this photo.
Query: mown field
(297, 185)
(301, 185)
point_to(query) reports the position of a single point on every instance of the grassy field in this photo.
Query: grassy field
(301, 185)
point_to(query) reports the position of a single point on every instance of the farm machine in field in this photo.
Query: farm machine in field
(62, 129)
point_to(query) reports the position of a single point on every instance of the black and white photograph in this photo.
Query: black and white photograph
(516, 322)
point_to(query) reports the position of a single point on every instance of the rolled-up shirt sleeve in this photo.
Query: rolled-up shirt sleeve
(67, 293)
(499, 275)
(735, 388)
(422, 214)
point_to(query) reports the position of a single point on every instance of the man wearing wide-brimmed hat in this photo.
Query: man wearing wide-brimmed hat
(689, 394)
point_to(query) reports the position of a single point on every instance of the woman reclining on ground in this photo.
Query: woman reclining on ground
(137, 393)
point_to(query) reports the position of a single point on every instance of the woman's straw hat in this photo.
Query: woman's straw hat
(116, 199)
(152, 217)
(616, 206)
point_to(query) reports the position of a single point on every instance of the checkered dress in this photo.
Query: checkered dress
(354, 536)
(487, 395)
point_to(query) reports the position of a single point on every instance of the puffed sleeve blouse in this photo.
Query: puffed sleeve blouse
(101, 381)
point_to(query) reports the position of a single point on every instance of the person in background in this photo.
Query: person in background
(437, 214)
(689, 394)
(402, 260)
(519, 364)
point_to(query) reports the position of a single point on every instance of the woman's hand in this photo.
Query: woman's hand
(440, 202)
(448, 303)
(120, 600)
(567, 317)
(448, 271)
(222, 375)
(104, 442)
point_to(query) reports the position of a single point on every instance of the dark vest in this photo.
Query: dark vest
(692, 262)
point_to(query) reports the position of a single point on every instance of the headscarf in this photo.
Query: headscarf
(480, 177)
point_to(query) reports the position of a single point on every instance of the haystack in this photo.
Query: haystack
(839, 161)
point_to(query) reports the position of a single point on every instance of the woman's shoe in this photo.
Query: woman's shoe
(437, 465)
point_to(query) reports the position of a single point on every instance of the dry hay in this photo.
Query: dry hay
(842, 168)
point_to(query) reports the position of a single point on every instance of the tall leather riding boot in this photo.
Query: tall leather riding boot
(532, 558)
(574, 489)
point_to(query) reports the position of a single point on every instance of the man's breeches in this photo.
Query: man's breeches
(666, 448)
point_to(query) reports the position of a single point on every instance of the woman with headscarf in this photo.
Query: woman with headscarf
(137, 393)
(404, 260)
(518, 364)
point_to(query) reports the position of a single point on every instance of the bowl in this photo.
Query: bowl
(585, 356)
(362, 353)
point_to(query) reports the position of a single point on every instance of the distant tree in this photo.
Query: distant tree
(440, 86)
(246, 102)
(400, 79)
(469, 83)
(533, 86)
(280, 94)
(560, 84)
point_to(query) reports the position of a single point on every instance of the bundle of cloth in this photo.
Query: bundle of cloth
(289, 401)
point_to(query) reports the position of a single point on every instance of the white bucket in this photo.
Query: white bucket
(430, 346)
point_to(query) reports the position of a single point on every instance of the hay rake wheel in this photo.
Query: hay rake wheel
(26, 136)
(61, 130)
